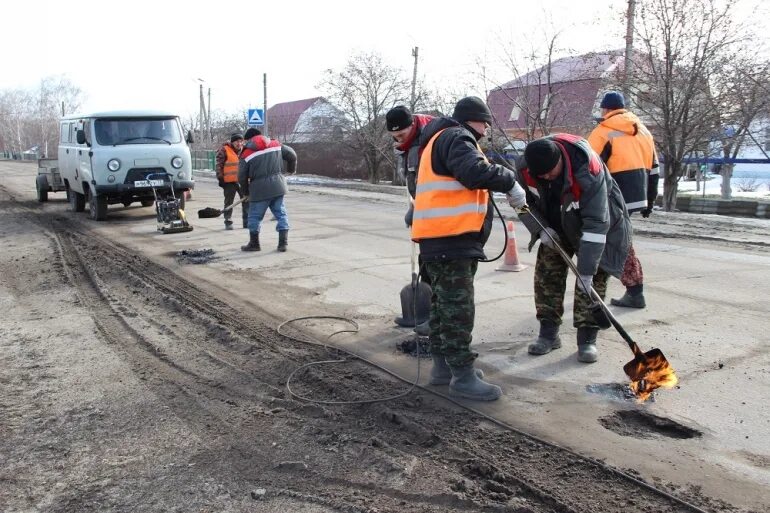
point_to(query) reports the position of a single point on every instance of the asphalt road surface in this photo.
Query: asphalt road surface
(133, 380)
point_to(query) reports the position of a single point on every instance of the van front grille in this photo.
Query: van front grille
(136, 174)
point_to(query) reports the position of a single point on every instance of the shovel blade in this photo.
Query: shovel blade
(653, 368)
(417, 296)
(208, 212)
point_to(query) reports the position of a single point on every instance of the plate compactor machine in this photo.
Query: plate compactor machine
(168, 208)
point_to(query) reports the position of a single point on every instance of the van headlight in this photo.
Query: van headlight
(177, 162)
(113, 165)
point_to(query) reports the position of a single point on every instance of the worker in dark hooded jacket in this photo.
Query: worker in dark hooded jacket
(627, 148)
(573, 195)
(452, 222)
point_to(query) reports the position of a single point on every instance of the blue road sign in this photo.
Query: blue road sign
(256, 117)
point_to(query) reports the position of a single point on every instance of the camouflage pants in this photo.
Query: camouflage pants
(550, 284)
(452, 310)
(632, 270)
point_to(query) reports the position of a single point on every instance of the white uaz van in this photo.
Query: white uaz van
(105, 158)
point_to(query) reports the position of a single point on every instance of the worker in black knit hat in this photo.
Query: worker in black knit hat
(452, 222)
(226, 167)
(582, 210)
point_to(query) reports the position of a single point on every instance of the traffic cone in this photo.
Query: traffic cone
(511, 259)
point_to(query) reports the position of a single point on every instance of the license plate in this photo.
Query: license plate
(148, 183)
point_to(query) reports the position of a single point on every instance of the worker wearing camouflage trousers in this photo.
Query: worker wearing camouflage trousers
(551, 273)
(452, 310)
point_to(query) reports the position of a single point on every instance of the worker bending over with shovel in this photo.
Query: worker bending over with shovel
(581, 209)
(452, 221)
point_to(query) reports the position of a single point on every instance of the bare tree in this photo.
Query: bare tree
(364, 90)
(684, 46)
(30, 118)
(743, 98)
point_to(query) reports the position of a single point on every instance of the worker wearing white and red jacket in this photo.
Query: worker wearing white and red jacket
(572, 193)
(627, 148)
(260, 175)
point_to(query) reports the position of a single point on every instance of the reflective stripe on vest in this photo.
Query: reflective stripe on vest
(443, 207)
(230, 170)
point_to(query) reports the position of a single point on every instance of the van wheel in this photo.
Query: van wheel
(77, 200)
(97, 205)
(147, 203)
(42, 191)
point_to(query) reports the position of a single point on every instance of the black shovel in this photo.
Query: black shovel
(415, 299)
(209, 212)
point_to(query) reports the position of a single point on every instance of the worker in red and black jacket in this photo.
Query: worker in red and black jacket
(406, 128)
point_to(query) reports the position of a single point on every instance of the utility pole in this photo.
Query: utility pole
(208, 118)
(264, 103)
(628, 63)
(62, 108)
(201, 116)
(413, 99)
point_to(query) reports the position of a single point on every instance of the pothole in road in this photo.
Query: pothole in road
(640, 424)
(195, 256)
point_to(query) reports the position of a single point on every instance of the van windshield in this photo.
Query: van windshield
(114, 131)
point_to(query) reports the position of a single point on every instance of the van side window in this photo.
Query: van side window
(65, 133)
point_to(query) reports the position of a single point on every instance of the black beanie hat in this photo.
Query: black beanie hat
(472, 108)
(613, 100)
(251, 132)
(541, 155)
(398, 118)
(236, 137)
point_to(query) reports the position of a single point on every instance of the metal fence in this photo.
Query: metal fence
(13, 155)
(203, 159)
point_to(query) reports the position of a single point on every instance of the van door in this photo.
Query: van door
(84, 153)
(68, 164)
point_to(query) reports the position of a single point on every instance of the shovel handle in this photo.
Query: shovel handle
(595, 295)
(235, 204)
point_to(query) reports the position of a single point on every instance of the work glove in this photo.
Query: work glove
(408, 217)
(547, 241)
(584, 283)
(221, 181)
(517, 198)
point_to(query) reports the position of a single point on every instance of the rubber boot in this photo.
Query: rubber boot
(283, 240)
(228, 224)
(441, 374)
(586, 339)
(547, 340)
(253, 244)
(630, 301)
(467, 385)
(423, 329)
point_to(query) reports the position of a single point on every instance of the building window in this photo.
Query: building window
(515, 113)
(546, 105)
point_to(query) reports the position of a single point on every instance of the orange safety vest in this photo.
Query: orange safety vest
(443, 207)
(230, 170)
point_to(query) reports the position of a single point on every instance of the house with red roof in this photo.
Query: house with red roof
(305, 121)
(561, 97)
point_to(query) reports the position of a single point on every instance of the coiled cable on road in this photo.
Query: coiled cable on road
(342, 360)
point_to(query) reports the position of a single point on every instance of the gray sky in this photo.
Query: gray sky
(150, 54)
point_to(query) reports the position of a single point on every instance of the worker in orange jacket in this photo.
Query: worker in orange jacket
(627, 148)
(226, 167)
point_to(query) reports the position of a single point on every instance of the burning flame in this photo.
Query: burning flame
(650, 373)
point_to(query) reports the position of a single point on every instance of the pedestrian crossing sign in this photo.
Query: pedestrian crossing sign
(256, 117)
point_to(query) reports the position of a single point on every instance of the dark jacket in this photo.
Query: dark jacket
(588, 206)
(259, 170)
(456, 154)
(410, 151)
